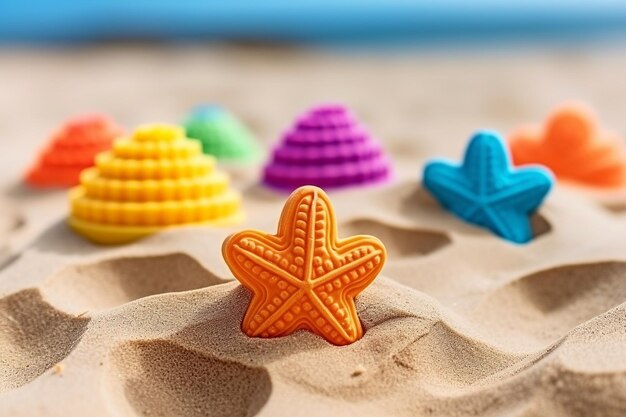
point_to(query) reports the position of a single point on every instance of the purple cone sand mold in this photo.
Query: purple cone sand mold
(328, 148)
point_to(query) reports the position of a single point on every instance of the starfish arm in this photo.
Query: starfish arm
(288, 216)
(511, 224)
(446, 182)
(250, 251)
(324, 238)
(275, 324)
(332, 327)
(526, 190)
(334, 291)
(246, 253)
(509, 210)
(354, 256)
(353, 317)
(486, 158)
(309, 226)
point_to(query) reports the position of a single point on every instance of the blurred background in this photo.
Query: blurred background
(423, 75)
(324, 21)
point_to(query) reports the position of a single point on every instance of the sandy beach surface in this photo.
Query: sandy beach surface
(459, 323)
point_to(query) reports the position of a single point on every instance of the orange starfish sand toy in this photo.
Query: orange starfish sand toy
(574, 148)
(304, 277)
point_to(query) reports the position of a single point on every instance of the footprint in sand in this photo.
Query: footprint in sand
(162, 378)
(538, 309)
(112, 282)
(399, 241)
(34, 336)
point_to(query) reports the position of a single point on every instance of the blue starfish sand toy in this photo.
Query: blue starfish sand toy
(487, 191)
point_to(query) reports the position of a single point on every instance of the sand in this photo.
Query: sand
(459, 323)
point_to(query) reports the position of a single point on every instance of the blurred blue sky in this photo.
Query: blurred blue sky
(320, 21)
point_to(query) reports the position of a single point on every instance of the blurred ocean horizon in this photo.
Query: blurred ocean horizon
(318, 22)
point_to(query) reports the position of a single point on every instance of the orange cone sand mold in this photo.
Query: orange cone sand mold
(156, 179)
(71, 149)
(574, 148)
(304, 277)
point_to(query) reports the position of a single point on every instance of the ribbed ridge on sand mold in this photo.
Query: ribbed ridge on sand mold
(221, 135)
(163, 378)
(34, 336)
(71, 149)
(328, 148)
(156, 179)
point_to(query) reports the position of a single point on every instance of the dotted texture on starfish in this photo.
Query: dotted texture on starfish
(573, 146)
(486, 191)
(304, 277)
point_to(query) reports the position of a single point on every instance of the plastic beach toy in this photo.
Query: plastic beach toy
(71, 149)
(153, 180)
(484, 190)
(221, 135)
(328, 148)
(304, 277)
(574, 148)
